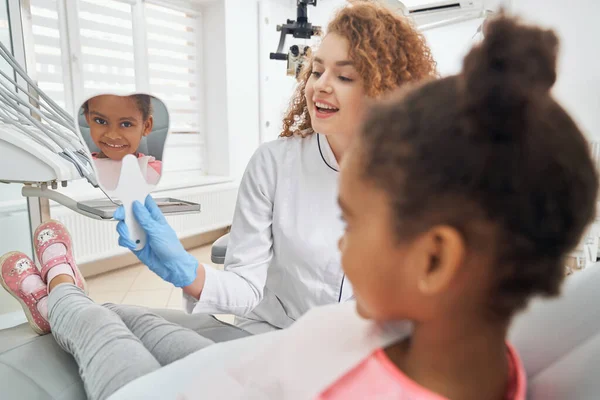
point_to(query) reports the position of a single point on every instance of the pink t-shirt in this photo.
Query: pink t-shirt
(378, 378)
(109, 170)
(154, 163)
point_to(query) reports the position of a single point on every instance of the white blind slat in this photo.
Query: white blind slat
(104, 60)
(106, 36)
(46, 41)
(178, 36)
(107, 54)
(44, 22)
(112, 78)
(48, 59)
(116, 10)
(183, 119)
(158, 44)
(190, 64)
(107, 44)
(171, 16)
(95, 87)
(44, 76)
(104, 72)
(43, 4)
(188, 91)
(176, 105)
(172, 64)
(103, 27)
(47, 49)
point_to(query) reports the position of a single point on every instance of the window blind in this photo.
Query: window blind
(47, 50)
(106, 37)
(172, 38)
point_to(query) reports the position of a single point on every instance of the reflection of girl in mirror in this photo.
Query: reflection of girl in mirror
(117, 126)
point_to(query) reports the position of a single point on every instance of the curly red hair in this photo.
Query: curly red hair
(386, 49)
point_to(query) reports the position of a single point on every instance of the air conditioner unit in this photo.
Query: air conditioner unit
(433, 12)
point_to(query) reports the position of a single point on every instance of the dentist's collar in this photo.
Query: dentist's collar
(326, 153)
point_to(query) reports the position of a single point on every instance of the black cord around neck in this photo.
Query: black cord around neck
(321, 152)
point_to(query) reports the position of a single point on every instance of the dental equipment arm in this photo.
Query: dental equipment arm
(36, 115)
(39, 143)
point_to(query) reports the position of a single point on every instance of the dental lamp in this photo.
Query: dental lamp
(301, 28)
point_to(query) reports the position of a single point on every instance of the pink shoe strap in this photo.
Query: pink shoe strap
(64, 259)
(39, 294)
(65, 242)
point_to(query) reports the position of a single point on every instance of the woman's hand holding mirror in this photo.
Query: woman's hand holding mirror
(163, 253)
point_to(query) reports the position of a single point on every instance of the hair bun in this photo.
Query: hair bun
(514, 65)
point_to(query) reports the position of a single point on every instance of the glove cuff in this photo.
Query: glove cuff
(184, 270)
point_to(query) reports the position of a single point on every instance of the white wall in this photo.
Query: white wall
(275, 86)
(241, 43)
(578, 84)
(231, 83)
(449, 44)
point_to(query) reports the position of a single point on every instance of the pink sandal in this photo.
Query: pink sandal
(53, 232)
(15, 267)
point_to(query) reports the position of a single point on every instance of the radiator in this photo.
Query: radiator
(97, 240)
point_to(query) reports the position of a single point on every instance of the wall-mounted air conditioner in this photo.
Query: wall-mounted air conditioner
(428, 13)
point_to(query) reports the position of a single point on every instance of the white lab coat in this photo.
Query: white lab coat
(282, 258)
(296, 363)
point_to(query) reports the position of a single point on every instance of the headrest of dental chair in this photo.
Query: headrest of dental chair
(152, 144)
(559, 340)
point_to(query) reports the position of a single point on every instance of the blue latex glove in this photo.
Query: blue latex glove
(163, 253)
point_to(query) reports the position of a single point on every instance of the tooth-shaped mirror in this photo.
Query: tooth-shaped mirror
(126, 136)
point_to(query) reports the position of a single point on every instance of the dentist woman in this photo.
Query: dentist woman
(282, 258)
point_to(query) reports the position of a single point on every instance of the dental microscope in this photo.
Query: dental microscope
(301, 28)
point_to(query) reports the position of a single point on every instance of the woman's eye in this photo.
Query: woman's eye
(317, 74)
(126, 124)
(344, 79)
(99, 121)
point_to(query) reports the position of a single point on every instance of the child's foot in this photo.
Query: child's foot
(21, 278)
(54, 250)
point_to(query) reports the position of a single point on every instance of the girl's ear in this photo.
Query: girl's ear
(444, 253)
(148, 125)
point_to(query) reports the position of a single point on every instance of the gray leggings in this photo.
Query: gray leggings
(113, 344)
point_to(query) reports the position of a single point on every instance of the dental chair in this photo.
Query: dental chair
(559, 342)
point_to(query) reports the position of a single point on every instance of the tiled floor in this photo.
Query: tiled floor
(138, 285)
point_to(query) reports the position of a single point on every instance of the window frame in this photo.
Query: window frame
(71, 50)
(72, 64)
